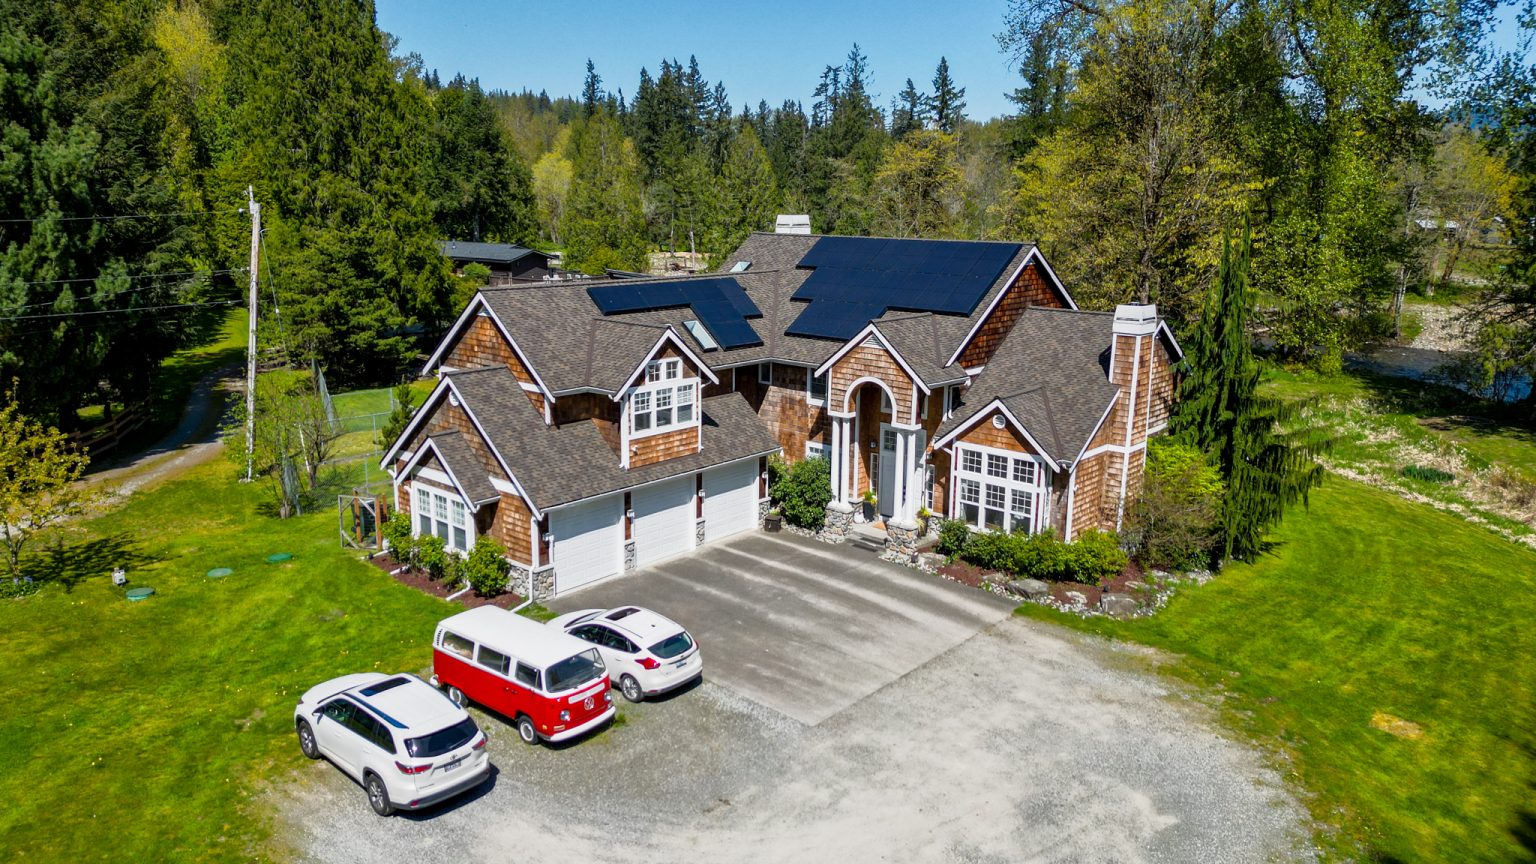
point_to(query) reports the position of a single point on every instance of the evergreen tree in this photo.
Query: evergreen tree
(909, 111)
(481, 190)
(591, 90)
(748, 196)
(948, 100)
(1266, 466)
(603, 223)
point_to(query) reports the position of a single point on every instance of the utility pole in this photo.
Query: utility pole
(250, 349)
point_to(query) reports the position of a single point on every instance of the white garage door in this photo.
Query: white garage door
(730, 499)
(663, 520)
(589, 542)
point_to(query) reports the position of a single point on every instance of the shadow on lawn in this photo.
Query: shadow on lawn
(69, 565)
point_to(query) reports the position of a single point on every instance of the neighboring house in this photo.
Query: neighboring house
(509, 264)
(597, 430)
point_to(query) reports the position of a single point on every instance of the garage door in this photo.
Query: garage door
(663, 520)
(588, 542)
(730, 499)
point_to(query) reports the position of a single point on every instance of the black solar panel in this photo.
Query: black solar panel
(858, 279)
(720, 304)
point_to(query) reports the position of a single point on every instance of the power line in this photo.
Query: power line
(126, 216)
(128, 309)
(131, 276)
(88, 299)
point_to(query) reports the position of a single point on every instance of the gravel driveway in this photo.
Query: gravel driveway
(1022, 743)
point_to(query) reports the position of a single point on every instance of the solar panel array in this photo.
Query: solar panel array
(720, 304)
(858, 279)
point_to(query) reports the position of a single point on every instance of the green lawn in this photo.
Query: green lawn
(1369, 604)
(141, 731)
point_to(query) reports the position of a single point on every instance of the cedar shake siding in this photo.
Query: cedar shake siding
(786, 410)
(481, 344)
(984, 434)
(1032, 288)
(512, 527)
(663, 446)
(867, 361)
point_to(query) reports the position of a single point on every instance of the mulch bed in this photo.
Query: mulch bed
(418, 580)
(970, 574)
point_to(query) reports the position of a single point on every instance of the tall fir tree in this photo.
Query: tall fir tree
(948, 100)
(909, 111)
(603, 222)
(481, 189)
(1267, 465)
(748, 194)
(591, 90)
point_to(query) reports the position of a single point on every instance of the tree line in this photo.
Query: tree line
(1144, 132)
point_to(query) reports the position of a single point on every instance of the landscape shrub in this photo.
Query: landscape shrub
(953, 533)
(1427, 474)
(486, 567)
(432, 556)
(398, 537)
(1094, 557)
(801, 491)
(1175, 522)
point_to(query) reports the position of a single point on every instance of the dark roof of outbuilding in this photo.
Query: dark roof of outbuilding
(1052, 373)
(562, 464)
(495, 253)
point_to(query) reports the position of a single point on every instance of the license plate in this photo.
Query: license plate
(452, 765)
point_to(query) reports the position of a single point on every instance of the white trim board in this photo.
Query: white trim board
(858, 340)
(1034, 255)
(454, 331)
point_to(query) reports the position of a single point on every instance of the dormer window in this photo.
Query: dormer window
(665, 401)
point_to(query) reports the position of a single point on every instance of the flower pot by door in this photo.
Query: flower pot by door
(772, 523)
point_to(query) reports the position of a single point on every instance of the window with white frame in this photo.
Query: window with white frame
(928, 487)
(665, 401)
(815, 387)
(952, 397)
(442, 514)
(765, 373)
(998, 491)
(817, 450)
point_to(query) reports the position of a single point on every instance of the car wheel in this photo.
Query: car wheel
(526, 730)
(456, 696)
(307, 742)
(378, 796)
(631, 688)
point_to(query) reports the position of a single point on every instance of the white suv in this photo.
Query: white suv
(645, 653)
(396, 734)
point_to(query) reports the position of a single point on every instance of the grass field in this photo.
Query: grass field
(140, 731)
(1370, 604)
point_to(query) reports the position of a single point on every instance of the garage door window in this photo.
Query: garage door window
(998, 490)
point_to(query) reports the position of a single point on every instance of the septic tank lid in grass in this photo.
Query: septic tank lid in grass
(219, 572)
(279, 557)
(135, 594)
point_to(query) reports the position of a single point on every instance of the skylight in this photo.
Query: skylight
(740, 266)
(701, 335)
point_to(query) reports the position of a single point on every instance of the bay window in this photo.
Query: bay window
(998, 491)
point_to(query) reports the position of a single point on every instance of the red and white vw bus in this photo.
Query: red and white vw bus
(552, 685)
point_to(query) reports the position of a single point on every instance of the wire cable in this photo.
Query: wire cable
(125, 309)
(131, 276)
(124, 216)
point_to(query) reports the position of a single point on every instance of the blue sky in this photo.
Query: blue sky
(772, 51)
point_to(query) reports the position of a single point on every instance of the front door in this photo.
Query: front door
(887, 489)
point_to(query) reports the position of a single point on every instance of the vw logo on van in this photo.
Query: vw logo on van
(587, 704)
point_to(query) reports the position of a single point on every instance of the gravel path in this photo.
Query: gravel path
(195, 440)
(1024, 743)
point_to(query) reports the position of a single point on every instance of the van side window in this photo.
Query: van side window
(456, 644)
(494, 660)
(527, 676)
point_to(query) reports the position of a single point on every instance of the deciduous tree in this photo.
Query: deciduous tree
(39, 480)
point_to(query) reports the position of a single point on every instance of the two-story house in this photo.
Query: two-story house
(595, 429)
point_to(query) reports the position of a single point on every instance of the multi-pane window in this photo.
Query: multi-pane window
(816, 386)
(998, 491)
(970, 461)
(666, 399)
(928, 487)
(443, 515)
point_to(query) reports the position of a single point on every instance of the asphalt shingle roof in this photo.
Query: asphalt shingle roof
(500, 253)
(562, 464)
(1052, 372)
(464, 465)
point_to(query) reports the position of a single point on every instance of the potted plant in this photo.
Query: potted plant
(867, 512)
(773, 520)
(924, 516)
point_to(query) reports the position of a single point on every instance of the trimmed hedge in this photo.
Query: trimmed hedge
(1094, 557)
(486, 567)
(801, 491)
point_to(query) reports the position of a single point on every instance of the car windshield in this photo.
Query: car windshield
(443, 740)
(672, 646)
(574, 671)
